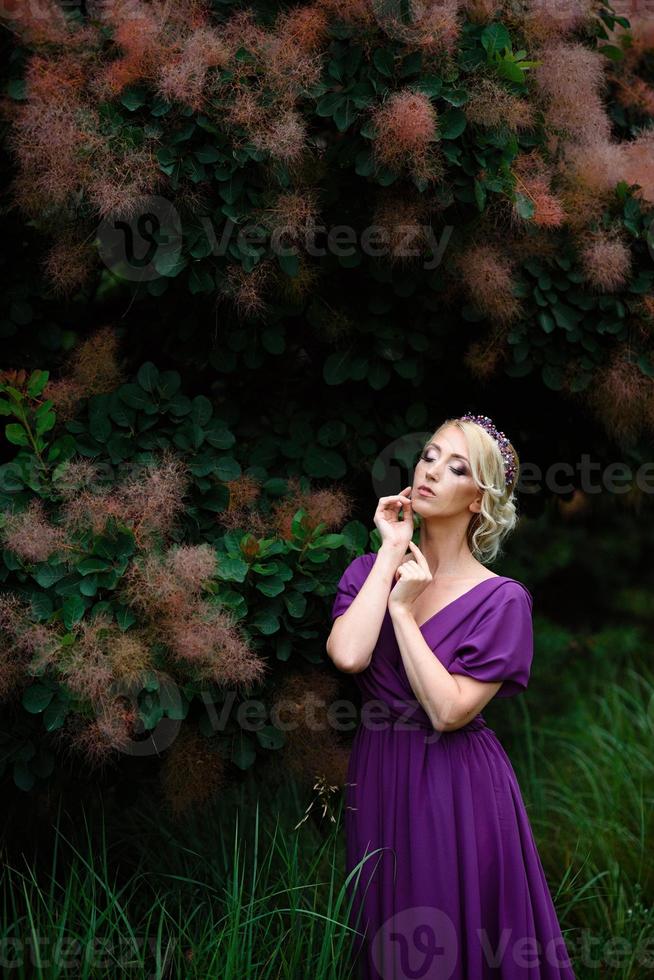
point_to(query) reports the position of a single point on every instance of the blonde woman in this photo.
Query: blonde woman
(451, 885)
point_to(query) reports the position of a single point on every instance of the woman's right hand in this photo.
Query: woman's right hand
(393, 531)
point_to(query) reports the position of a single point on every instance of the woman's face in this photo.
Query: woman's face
(444, 468)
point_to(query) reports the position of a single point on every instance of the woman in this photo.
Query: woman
(450, 883)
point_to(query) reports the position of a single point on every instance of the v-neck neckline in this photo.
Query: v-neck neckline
(491, 578)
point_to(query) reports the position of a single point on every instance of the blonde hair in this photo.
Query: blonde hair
(498, 515)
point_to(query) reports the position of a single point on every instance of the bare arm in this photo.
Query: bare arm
(355, 633)
(449, 701)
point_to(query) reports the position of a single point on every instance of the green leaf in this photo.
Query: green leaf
(169, 383)
(169, 263)
(455, 96)
(89, 565)
(55, 714)
(201, 410)
(45, 422)
(546, 322)
(320, 463)
(133, 395)
(200, 280)
(411, 64)
(16, 434)
(17, 89)
(125, 617)
(383, 61)
(645, 365)
(167, 157)
(36, 698)
(612, 51)
(452, 124)
(329, 103)
(41, 605)
(37, 382)
(495, 38)
(524, 206)
(345, 115)
(565, 316)
(133, 98)
(148, 375)
(336, 368)
(369, 130)
(73, 610)
(510, 70)
(363, 164)
(329, 541)
(296, 604)
(173, 703)
(430, 84)
(290, 264)
(208, 154)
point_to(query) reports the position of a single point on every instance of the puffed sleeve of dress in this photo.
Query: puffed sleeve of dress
(351, 581)
(500, 646)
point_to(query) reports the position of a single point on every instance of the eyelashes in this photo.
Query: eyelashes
(430, 459)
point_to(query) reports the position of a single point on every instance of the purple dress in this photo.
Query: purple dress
(452, 886)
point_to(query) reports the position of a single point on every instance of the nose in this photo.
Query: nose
(431, 475)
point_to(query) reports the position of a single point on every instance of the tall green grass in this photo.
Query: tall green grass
(243, 889)
(587, 778)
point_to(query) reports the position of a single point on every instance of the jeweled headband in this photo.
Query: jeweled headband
(500, 439)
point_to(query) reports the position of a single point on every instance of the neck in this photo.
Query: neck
(443, 542)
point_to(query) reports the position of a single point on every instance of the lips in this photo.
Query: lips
(425, 489)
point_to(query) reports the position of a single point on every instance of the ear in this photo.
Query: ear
(475, 506)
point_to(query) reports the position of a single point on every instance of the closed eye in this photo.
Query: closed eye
(431, 459)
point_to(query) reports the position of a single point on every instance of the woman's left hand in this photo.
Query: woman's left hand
(414, 577)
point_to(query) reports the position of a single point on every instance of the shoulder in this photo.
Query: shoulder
(512, 592)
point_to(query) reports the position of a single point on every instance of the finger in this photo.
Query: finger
(419, 557)
(395, 496)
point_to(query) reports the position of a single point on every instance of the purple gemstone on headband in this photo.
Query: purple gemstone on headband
(486, 423)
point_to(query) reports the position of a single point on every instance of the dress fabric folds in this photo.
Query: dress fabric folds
(451, 886)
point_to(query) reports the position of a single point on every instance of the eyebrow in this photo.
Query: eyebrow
(454, 455)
